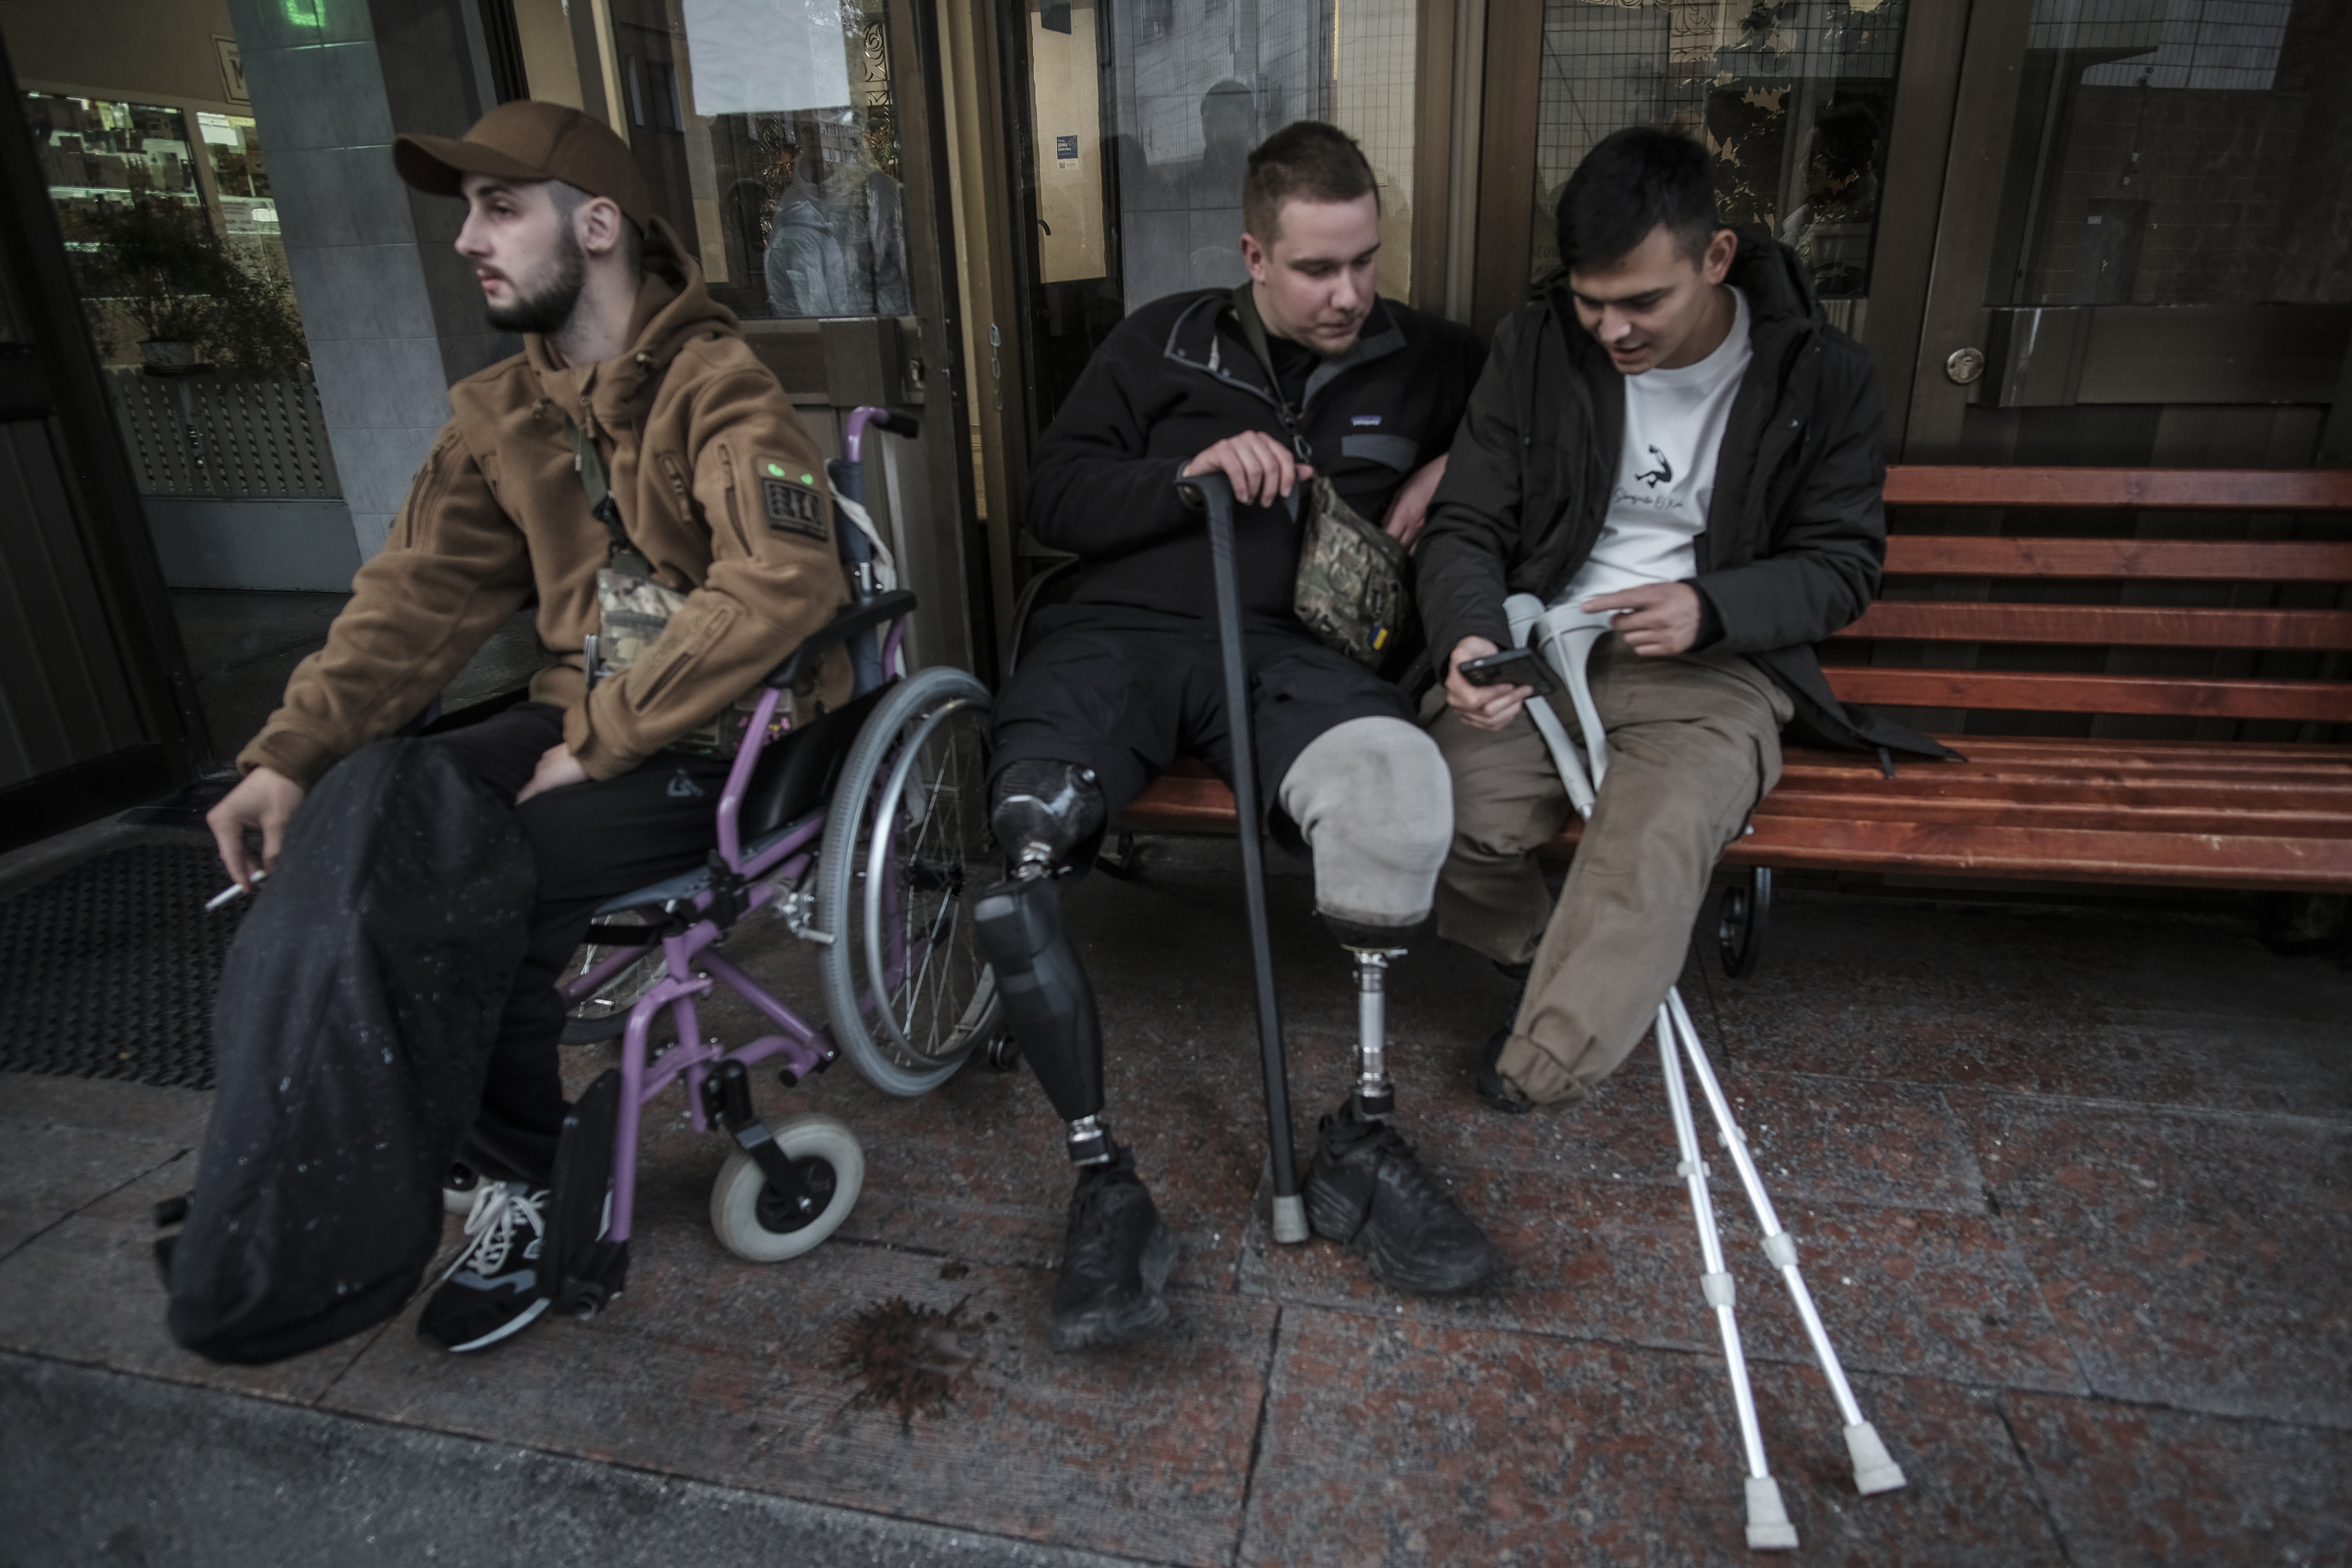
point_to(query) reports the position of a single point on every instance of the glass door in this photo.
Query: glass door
(1794, 100)
(2158, 270)
(1132, 122)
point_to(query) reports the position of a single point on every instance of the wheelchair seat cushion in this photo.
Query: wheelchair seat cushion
(791, 778)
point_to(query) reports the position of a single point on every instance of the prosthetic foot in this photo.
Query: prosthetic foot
(1114, 1258)
(1366, 1188)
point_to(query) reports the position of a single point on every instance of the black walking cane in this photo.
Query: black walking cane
(1217, 495)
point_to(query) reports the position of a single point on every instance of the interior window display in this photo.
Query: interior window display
(767, 130)
(1792, 98)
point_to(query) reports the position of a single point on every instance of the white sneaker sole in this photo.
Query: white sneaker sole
(507, 1329)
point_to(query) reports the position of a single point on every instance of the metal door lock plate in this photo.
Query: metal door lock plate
(1964, 365)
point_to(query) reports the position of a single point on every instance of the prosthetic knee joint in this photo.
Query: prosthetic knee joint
(1372, 947)
(1042, 811)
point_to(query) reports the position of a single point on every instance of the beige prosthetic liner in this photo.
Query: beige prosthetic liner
(1375, 803)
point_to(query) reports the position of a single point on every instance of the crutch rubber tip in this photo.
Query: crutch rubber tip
(1769, 1529)
(1874, 1469)
(1290, 1220)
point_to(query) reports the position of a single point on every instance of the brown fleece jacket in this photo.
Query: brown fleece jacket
(719, 486)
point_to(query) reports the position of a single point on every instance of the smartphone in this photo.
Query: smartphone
(1512, 666)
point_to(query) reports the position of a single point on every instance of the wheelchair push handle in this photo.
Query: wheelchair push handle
(897, 421)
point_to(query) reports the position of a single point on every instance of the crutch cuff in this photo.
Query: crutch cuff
(1874, 1470)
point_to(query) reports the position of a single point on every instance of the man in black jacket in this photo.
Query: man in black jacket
(1302, 371)
(1671, 435)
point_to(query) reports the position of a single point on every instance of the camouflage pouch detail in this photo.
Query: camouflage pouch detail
(1351, 590)
(632, 613)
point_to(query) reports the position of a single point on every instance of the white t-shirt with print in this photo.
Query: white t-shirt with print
(1666, 474)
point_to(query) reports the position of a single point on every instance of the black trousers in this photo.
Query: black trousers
(591, 841)
(1126, 691)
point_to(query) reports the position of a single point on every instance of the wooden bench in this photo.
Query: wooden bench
(2167, 711)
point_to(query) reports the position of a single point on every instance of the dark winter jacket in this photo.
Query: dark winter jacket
(1177, 378)
(1796, 532)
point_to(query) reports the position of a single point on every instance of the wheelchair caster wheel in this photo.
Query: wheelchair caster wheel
(756, 1222)
(1002, 1055)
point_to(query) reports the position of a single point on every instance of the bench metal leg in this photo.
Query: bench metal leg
(1740, 929)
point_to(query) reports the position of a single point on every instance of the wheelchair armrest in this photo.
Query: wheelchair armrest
(847, 623)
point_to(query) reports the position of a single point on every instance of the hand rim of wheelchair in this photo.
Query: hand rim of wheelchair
(743, 1203)
(893, 738)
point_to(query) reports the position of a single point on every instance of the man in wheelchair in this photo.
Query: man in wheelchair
(1124, 679)
(632, 382)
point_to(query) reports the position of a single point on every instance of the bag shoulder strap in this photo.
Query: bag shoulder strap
(588, 462)
(1253, 333)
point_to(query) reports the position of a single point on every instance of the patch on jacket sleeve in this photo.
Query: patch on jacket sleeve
(790, 501)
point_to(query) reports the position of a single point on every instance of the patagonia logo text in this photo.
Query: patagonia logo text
(1363, 419)
(792, 509)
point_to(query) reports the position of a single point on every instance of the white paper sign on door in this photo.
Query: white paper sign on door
(768, 57)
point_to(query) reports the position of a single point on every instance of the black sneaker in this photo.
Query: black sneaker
(1114, 1262)
(1367, 1191)
(494, 1287)
(1493, 1087)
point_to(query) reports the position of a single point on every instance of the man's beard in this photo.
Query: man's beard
(546, 312)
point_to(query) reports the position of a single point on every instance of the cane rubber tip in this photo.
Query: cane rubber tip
(1874, 1469)
(1769, 1529)
(1290, 1220)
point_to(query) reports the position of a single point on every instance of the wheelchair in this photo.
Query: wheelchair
(861, 830)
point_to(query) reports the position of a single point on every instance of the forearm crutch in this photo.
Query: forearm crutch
(1565, 638)
(1289, 1209)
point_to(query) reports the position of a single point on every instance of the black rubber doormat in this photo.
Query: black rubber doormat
(109, 970)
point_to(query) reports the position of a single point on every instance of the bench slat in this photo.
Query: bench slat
(2193, 560)
(1984, 849)
(2129, 625)
(2317, 702)
(2321, 819)
(2170, 489)
(2120, 758)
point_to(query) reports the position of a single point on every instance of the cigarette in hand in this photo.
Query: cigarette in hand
(222, 898)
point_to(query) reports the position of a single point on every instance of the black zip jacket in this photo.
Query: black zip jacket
(1796, 531)
(1177, 378)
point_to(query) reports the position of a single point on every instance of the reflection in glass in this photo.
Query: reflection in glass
(1793, 100)
(2164, 153)
(770, 141)
(103, 159)
(1198, 83)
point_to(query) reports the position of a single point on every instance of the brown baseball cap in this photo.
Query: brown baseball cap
(526, 140)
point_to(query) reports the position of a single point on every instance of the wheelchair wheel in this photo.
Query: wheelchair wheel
(757, 1223)
(905, 847)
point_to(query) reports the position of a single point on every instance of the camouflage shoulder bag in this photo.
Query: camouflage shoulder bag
(1351, 588)
(632, 610)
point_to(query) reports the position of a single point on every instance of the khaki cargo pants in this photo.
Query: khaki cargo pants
(1694, 743)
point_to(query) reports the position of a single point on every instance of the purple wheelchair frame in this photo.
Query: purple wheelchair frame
(781, 859)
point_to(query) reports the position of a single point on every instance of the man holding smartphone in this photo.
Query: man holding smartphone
(1668, 433)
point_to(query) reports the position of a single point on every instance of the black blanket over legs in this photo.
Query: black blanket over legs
(353, 1032)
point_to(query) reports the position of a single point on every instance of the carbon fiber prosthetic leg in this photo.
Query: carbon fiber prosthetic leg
(1042, 811)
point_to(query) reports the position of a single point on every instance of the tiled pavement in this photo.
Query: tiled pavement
(2074, 1191)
